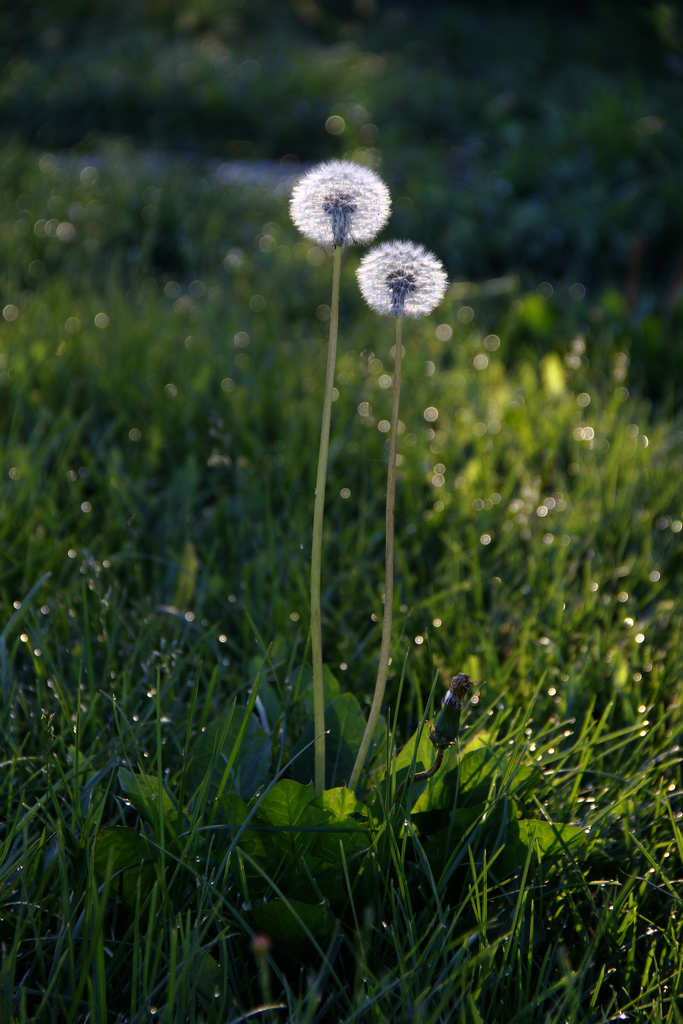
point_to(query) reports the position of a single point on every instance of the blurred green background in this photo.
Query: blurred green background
(534, 138)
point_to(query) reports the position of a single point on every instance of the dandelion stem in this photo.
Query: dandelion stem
(317, 542)
(385, 646)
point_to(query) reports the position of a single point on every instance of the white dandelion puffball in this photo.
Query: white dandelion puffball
(401, 279)
(340, 203)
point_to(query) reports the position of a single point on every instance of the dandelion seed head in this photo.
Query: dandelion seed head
(340, 203)
(401, 279)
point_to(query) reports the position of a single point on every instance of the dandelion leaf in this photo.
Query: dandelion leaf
(125, 859)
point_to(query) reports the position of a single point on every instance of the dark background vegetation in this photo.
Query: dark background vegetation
(551, 134)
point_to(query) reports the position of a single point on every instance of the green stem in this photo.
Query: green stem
(317, 542)
(385, 646)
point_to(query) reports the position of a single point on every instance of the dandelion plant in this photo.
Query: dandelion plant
(335, 204)
(396, 279)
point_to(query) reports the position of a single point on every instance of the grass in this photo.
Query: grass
(161, 367)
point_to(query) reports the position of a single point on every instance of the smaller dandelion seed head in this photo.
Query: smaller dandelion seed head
(401, 279)
(340, 203)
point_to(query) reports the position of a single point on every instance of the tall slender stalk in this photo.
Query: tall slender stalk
(317, 542)
(385, 647)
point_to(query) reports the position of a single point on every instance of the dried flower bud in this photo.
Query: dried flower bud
(401, 279)
(459, 689)
(340, 203)
(447, 726)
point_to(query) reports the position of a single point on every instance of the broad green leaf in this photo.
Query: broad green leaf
(419, 755)
(524, 836)
(346, 824)
(228, 814)
(285, 803)
(341, 804)
(441, 831)
(466, 777)
(549, 838)
(311, 829)
(304, 686)
(126, 858)
(423, 752)
(291, 924)
(207, 975)
(465, 782)
(216, 746)
(152, 801)
(345, 724)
